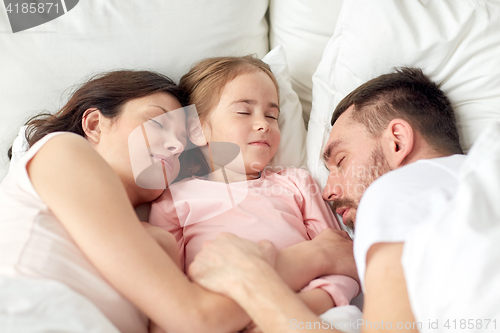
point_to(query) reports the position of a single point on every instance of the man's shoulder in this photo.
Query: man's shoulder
(416, 179)
(422, 173)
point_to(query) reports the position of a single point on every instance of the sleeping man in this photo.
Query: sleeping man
(399, 127)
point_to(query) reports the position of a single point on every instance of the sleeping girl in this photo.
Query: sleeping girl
(238, 107)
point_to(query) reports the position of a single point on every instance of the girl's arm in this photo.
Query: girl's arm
(329, 253)
(317, 300)
(90, 201)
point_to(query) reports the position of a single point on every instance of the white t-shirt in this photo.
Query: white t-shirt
(400, 200)
(34, 244)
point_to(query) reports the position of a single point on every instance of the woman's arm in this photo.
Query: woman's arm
(90, 201)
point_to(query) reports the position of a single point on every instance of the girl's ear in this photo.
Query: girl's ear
(91, 124)
(195, 132)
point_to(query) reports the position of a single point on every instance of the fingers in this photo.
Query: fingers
(229, 261)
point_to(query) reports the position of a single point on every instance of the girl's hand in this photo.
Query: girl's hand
(166, 240)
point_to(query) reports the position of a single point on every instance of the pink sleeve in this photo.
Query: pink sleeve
(318, 216)
(316, 212)
(164, 215)
(342, 289)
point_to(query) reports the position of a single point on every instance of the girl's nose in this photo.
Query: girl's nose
(261, 124)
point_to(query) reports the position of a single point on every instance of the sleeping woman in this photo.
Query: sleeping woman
(73, 254)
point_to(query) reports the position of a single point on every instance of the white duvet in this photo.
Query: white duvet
(30, 305)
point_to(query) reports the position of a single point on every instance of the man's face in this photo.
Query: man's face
(355, 159)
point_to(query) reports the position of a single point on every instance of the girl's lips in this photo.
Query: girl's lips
(260, 143)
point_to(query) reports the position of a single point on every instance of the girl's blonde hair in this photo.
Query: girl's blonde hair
(206, 79)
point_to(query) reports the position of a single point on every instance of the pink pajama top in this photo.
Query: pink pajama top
(283, 207)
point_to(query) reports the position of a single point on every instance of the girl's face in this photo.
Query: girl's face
(247, 115)
(143, 144)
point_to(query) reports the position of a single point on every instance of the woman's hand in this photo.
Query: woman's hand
(166, 240)
(243, 270)
(227, 263)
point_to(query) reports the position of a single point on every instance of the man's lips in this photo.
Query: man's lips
(260, 143)
(343, 212)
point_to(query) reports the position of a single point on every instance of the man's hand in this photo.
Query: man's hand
(227, 263)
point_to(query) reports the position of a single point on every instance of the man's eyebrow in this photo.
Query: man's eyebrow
(328, 150)
(253, 102)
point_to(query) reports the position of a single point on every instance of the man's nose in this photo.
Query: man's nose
(333, 189)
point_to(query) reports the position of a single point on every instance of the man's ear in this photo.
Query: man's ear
(195, 132)
(398, 142)
(91, 124)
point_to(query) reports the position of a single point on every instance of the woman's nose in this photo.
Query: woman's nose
(174, 145)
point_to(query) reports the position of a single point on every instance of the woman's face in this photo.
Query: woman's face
(144, 143)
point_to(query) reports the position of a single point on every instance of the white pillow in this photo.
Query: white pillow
(292, 149)
(303, 28)
(456, 43)
(38, 65)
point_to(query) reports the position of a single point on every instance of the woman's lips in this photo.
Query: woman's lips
(166, 161)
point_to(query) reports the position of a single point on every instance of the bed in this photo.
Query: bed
(319, 50)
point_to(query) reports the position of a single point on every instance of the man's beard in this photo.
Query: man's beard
(377, 167)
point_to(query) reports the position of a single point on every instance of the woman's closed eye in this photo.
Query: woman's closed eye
(156, 122)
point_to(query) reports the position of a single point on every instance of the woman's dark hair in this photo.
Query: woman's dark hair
(107, 92)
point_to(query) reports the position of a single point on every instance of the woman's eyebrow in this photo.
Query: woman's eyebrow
(159, 107)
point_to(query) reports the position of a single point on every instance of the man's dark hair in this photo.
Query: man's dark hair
(406, 94)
